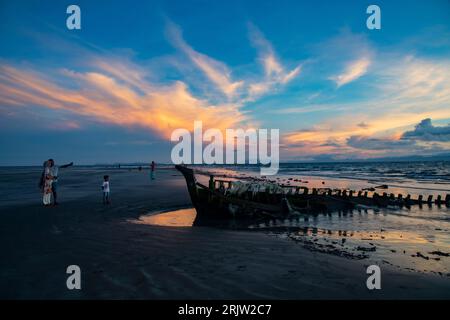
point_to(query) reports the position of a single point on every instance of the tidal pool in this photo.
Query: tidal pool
(176, 218)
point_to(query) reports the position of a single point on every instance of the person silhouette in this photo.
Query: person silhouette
(152, 170)
(52, 170)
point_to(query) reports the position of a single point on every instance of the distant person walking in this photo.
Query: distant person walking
(152, 170)
(52, 171)
(106, 190)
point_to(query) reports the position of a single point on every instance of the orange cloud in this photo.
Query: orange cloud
(115, 100)
(353, 71)
(412, 90)
(216, 71)
(274, 72)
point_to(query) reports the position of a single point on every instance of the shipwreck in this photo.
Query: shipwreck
(226, 198)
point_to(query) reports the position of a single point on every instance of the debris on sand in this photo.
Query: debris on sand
(440, 253)
(420, 255)
(365, 249)
(327, 248)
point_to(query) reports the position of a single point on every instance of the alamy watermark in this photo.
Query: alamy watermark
(374, 280)
(374, 20)
(239, 146)
(74, 280)
(73, 21)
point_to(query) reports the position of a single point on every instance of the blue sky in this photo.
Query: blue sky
(115, 90)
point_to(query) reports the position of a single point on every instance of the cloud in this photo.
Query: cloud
(242, 90)
(117, 89)
(425, 131)
(363, 125)
(424, 140)
(111, 87)
(121, 69)
(274, 72)
(215, 70)
(65, 125)
(405, 91)
(410, 78)
(108, 99)
(310, 109)
(344, 46)
(353, 71)
(287, 77)
(265, 51)
(370, 143)
(343, 58)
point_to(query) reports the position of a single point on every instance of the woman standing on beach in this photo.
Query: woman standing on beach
(52, 169)
(46, 184)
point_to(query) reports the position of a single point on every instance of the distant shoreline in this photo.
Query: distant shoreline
(145, 164)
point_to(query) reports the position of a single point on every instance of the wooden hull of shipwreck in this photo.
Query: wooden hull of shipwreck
(212, 203)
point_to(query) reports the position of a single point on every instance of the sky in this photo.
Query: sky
(115, 90)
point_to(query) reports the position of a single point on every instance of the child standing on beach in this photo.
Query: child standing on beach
(105, 188)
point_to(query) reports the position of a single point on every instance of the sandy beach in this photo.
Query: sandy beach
(124, 260)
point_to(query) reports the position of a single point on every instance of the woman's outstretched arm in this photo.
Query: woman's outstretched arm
(66, 165)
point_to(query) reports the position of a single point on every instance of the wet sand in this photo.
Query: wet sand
(120, 259)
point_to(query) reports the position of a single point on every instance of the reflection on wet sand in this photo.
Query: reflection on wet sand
(409, 239)
(177, 218)
(414, 240)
